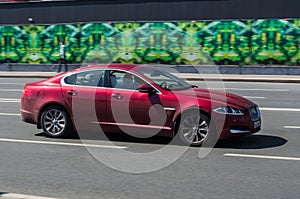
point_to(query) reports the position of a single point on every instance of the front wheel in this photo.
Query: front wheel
(55, 122)
(195, 129)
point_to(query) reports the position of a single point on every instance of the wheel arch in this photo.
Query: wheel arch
(177, 117)
(45, 106)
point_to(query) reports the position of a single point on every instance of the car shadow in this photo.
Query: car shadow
(244, 142)
(251, 142)
(117, 137)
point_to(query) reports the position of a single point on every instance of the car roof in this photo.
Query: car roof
(127, 67)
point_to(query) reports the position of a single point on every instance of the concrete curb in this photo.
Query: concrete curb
(186, 76)
(241, 78)
(249, 80)
(203, 69)
(27, 74)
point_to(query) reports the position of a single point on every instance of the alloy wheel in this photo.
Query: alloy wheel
(54, 122)
(194, 129)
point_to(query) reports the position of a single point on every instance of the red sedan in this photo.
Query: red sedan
(138, 100)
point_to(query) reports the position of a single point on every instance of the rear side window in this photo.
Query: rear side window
(70, 79)
(93, 78)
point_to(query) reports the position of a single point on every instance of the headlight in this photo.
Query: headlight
(228, 110)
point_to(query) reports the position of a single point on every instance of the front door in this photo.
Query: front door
(138, 114)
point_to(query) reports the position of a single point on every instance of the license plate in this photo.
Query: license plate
(256, 124)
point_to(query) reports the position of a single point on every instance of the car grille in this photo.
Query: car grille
(254, 113)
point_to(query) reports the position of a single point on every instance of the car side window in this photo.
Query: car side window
(93, 78)
(70, 79)
(124, 80)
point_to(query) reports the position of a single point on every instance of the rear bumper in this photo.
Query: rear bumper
(28, 117)
(27, 110)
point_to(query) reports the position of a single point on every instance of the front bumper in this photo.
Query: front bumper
(238, 125)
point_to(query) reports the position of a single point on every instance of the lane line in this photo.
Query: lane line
(257, 89)
(253, 89)
(264, 83)
(261, 156)
(10, 99)
(61, 143)
(291, 127)
(20, 196)
(11, 90)
(4, 100)
(254, 97)
(10, 114)
(7, 83)
(280, 109)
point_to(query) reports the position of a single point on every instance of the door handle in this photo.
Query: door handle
(72, 93)
(117, 96)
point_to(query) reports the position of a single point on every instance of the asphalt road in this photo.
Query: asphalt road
(265, 165)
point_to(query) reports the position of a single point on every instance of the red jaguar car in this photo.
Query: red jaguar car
(139, 99)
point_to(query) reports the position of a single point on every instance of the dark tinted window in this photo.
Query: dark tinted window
(89, 78)
(124, 80)
(165, 80)
(70, 79)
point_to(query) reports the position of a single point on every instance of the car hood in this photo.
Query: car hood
(217, 98)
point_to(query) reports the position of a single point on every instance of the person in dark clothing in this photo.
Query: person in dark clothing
(62, 60)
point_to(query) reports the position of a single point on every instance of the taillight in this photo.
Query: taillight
(27, 92)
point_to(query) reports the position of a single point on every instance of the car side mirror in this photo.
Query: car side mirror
(145, 88)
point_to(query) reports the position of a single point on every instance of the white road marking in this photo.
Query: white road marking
(257, 83)
(7, 83)
(261, 156)
(5, 100)
(62, 143)
(280, 109)
(291, 127)
(11, 90)
(9, 99)
(257, 89)
(20, 196)
(254, 97)
(10, 114)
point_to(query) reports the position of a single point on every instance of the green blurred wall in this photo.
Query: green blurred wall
(245, 42)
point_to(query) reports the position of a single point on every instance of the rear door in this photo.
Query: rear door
(86, 98)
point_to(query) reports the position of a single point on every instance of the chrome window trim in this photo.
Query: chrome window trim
(158, 91)
(63, 83)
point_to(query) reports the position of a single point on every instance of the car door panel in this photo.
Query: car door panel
(135, 112)
(87, 103)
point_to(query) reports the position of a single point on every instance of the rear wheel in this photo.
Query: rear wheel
(194, 129)
(56, 122)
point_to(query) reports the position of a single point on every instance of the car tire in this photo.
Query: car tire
(56, 122)
(196, 129)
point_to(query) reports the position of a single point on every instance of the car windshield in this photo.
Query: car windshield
(165, 80)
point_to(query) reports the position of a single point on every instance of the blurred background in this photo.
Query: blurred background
(231, 32)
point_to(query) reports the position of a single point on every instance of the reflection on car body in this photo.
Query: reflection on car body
(137, 97)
